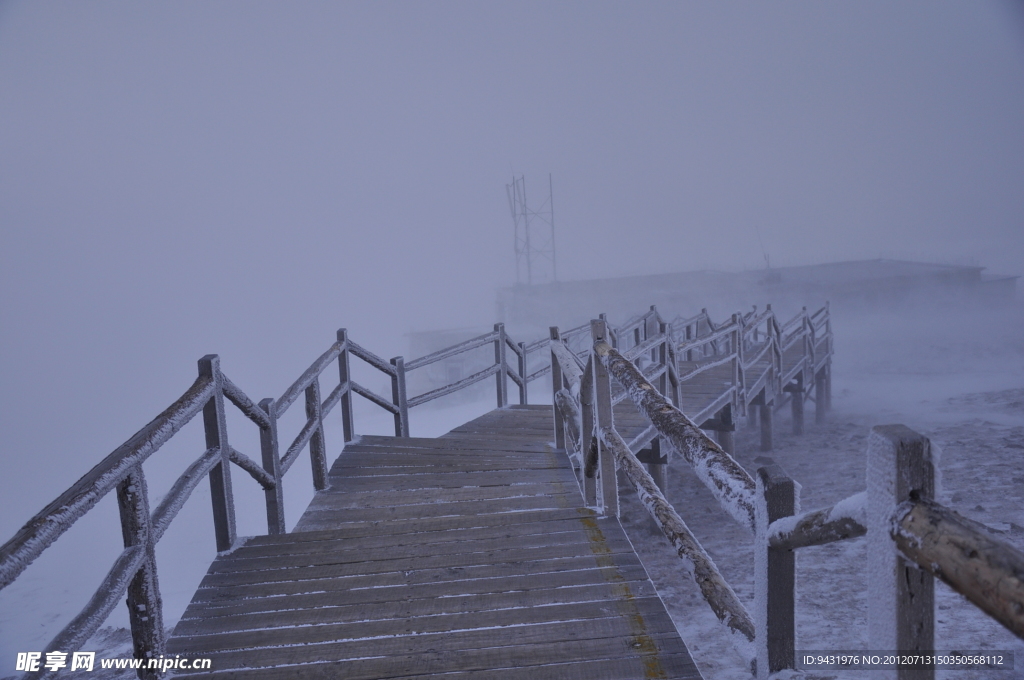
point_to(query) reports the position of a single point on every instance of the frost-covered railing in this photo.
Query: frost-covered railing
(911, 537)
(500, 368)
(911, 540)
(134, 571)
(771, 364)
(584, 399)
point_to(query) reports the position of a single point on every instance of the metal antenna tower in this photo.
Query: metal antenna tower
(535, 235)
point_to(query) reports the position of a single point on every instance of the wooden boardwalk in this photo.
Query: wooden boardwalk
(469, 555)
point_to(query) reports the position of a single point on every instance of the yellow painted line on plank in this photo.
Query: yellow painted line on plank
(639, 640)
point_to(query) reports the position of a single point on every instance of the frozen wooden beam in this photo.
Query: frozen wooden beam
(962, 553)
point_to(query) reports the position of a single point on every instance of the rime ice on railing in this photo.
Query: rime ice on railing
(583, 395)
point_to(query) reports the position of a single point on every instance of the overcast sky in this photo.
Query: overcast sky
(244, 178)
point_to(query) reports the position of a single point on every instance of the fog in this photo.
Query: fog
(246, 178)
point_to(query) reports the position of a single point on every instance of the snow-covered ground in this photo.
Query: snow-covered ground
(962, 388)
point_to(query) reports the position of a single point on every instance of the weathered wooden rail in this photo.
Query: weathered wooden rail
(912, 537)
(655, 346)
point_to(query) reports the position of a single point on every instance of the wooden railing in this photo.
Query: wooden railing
(602, 449)
(912, 538)
(651, 345)
(134, 571)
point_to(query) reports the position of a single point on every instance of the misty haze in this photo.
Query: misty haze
(813, 216)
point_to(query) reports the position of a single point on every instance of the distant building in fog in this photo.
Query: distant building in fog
(569, 303)
(528, 311)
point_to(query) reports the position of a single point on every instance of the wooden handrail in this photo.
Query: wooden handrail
(455, 386)
(544, 370)
(794, 321)
(58, 516)
(252, 467)
(374, 397)
(371, 358)
(311, 374)
(963, 553)
(719, 333)
(706, 365)
(700, 567)
(246, 405)
(768, 346)
(103, 601)
(726, 479)
(569, 363)
(844, 520)
(179, 492)
(644, 346)
(465, 346)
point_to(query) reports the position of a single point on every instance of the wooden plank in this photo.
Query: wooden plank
(456, 444)
(436, 634)
(382, 499)
(482, 459)
(237, 564)
(337, 593)
(451, 479)
(326, 583)
(407, 608)
(421, 538)
(394, 527)
(341, 568)
(582, 660)
(678, 666)
(305, 636)
(322, 506)
(395, 471)
(419, 550)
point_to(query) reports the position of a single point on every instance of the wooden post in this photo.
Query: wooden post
(398, 398)
(689, 336)
(556, 384)
(737, 355)
(902, 616)
(828, 385)
(660, 355)
(216, 429)
(499, 359)
(612, 339)
(658, 470)
(807, 373)
(344, 375)
(609, 486)
(774, 574)
(651, 327)
(727, 436)
(797, 404)
(767, 413)
(828, 362)
(587, 435)
(820, 399)
(272, 464)
(522, 371)
(145, 606)
(317, 445)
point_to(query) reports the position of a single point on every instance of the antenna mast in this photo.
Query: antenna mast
(534, 234)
